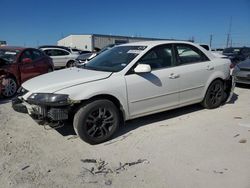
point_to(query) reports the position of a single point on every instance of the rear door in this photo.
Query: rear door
(194, 68)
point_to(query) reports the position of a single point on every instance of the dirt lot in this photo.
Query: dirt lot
(188, 147)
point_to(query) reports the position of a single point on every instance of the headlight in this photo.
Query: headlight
(49, 99)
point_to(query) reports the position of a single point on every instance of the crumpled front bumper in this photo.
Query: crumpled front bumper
(41, 112)
(18, 106)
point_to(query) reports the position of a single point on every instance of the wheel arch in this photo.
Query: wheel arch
(70, 60)
(218, 75)
(109, 97)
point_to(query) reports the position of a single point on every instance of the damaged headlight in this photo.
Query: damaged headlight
(49, 99)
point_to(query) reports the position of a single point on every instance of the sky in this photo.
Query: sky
(39, 22)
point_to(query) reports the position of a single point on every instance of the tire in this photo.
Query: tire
(97, 121)
(215, 95)
(9, 87)
(50, 70)
(70, 64)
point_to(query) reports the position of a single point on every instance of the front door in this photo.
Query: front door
(157, 90)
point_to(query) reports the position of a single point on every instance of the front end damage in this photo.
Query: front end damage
(45, 108)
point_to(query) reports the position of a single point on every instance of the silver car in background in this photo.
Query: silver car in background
(241, 72)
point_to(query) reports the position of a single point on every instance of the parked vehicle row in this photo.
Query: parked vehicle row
(128, 81)
(237, 54)
(18, 64)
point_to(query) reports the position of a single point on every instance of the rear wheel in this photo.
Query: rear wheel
(50, 69)
(96, 122)
(9, 87)
(214, 96)
(71, 64)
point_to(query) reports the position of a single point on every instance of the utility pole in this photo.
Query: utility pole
(211, 39)
(229, 32)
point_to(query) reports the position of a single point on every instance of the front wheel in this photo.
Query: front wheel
(214, 96)
(97, 121)
(9, 87)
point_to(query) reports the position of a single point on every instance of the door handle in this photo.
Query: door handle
(210, 67)
(174, 76)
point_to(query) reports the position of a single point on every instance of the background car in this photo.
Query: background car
(83, 58)
(19, 64)
(61, 56)
(237, 54)
(215, 53)
(71, 50)
(241, 72)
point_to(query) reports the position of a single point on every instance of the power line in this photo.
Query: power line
(229, 32)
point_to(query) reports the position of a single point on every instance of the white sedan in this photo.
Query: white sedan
(60, 56)
(126, 82)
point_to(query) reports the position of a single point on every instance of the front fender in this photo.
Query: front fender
(115, 87)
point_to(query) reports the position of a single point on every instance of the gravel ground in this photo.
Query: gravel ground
(188, 147)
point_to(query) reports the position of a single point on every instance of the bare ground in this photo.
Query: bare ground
(188, 147)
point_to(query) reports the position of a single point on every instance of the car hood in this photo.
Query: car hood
(244, 64)
(61, 79)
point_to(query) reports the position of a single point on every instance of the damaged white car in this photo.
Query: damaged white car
(126, 82)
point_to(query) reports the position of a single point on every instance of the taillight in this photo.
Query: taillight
(232, 66)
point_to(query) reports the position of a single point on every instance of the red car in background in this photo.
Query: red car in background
(18, 64)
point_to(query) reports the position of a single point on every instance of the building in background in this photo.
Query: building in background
(3, 43)
(92, 41)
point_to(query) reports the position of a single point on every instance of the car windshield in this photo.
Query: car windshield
(8, 55)
(115, 59)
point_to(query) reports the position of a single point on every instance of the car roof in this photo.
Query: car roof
(155, 43)
(56, 48)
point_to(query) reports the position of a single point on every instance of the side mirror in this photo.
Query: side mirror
(142, 68)
(27, 60)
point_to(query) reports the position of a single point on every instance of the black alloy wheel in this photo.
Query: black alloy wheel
(97, 121)
(9, 87)
(215, 95)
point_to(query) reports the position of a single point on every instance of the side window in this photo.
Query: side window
(56, 52)
(26, 54)
(36, 54)
(47, 52)
(158, 57)
(189, 54)
(60, 52)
